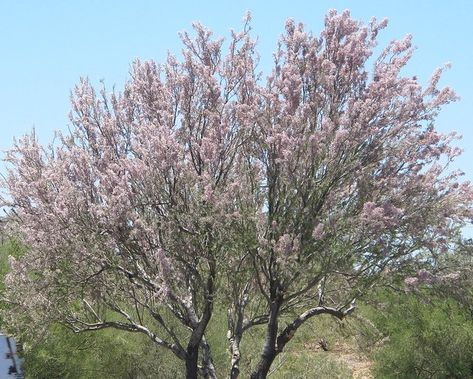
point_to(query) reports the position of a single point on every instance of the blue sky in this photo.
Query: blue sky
(48, 45)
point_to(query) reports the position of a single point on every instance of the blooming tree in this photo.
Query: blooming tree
(201, 184)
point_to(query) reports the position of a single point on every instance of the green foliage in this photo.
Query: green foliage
(429, 337)
(104, 354)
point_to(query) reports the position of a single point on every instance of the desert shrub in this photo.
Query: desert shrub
(428, 337)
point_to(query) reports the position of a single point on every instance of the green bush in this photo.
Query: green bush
(104, 354)
(428, 337)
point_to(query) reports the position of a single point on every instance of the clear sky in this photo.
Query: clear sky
(47, 46)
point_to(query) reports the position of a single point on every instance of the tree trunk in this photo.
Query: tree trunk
(208, 368)
(270, 349)
(236, 356)
(191, 362)
(199, 327)
(235, 331)
(262, 369)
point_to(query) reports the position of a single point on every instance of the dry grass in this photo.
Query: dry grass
(347, 355)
